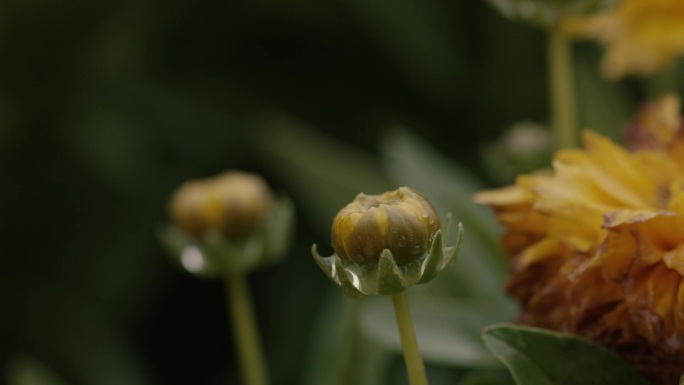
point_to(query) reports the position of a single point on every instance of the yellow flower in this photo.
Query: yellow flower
(642, 37)
(402, 221)
(597, 245)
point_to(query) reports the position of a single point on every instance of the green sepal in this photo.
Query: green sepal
(452, 251)
(390, 279)
(440, 256)
(386, 277)
(322, 262)
(333, 269)
(431, 266)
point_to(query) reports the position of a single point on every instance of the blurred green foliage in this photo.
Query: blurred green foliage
(105, 107)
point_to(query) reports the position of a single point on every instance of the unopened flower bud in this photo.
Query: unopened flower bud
(402, 221)
(233, 203)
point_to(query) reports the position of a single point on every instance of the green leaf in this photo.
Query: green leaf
(541, 357)
(448, 331)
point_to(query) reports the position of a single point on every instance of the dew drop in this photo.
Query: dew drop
(192, 259)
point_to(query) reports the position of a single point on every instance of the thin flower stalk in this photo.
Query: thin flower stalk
(246, 336)
(561, 89)
(412, 357)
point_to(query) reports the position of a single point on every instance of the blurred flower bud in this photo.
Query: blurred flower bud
(229, 223)
(386, 243)
(524, 147)
(232, 203)
(400, 220)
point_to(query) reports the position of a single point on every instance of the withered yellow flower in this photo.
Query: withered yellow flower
(402, 221)
(233, 203)
(642, 37)
(596, 245)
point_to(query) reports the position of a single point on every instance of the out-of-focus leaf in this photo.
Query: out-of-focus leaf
(541, 357)
(448, 331)
(480, 268)
(322, 174)
(338, 355)
(25, 370)
(603, 106)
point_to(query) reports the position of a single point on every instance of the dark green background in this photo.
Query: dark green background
(107, 106)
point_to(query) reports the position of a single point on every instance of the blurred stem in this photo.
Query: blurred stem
(414, 361)
(246, 336)
(561, 89)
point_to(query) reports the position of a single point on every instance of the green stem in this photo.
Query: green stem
(246, 336)
(561, 89)
(414, 361)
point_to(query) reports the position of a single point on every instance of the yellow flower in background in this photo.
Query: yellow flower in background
(596, 245)
(641, 37)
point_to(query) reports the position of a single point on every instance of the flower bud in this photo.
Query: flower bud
(402, 221)
(233, 203)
